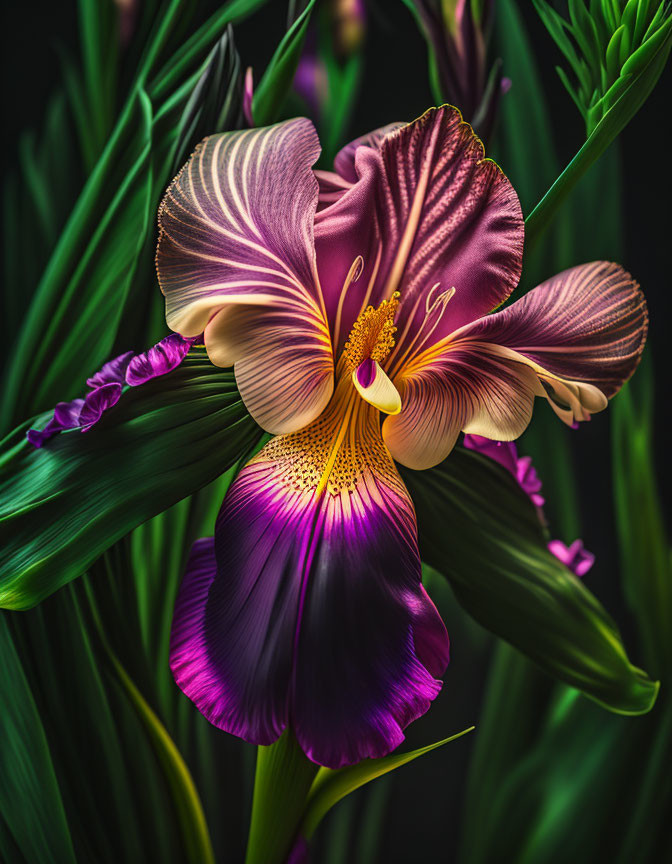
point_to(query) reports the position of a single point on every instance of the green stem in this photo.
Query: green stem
(282, 780)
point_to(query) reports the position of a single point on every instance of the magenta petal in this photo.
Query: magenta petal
(113, 371)
(575, 557)
(430, 636)
(312, 614)
(344, 163)
(503, 452)
(160, 359)
(96, 403)
(428, 214)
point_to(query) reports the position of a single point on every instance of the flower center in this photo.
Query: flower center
(372, 334)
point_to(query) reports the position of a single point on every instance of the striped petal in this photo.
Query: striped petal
(582, 332)
(236, 251)
(428, 214)
(309, 611)
(574, 339)
(465, 388)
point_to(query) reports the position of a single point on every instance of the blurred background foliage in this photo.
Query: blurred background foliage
(103, 759)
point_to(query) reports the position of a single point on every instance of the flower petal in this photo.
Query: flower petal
(427, 211)
(465, 387)
(372, 384)
(344, 161)
(236, 228)
(582, 332)
(588, 324)
(452, 218)
(158, 360)
(576, 557)
(96, 403)
(112, 372)
(313, 614)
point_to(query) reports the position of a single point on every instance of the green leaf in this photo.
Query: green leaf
(482, 532)
(612, 123)
(185, 797)
(30, 800)
(72, 322)
(63, 505)
(646, 559)
(215, 105)
(277, 79)
(331, 786)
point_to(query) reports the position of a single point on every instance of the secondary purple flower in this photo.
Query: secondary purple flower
(576, 557)
(160, 359)
(337, 297)
(106, 386)
(506, 453)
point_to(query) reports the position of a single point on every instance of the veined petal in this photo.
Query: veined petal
(428, 214)
(588, 324)
(236, 230)
(465, 388)
(582, 333)
(313, 613)
(372, 384)
(452, 220)
(344, 162)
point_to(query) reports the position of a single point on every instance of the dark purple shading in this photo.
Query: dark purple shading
(114, 371)
(79, 414)
(366, 372)
(308, 619)
(160, 359)
(299, 852)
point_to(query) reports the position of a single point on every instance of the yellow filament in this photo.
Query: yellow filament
(372, 334)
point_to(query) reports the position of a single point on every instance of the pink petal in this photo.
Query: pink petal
(236, 249)
(427, 213)
(462, 388)
(344, 162)
(582, 332)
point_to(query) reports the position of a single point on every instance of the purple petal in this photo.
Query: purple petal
(575, 557)
(236, 260)
(38, 437)
(160, 359)
(428, 214)
(344, 162)
(113, 371)
(96, 403)
(506, 454)
(65, 416)
(503, 452)
(312, 613)
(583, 332)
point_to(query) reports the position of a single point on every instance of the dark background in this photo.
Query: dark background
(395, 87)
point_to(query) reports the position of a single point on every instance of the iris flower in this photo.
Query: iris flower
(355, 308)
